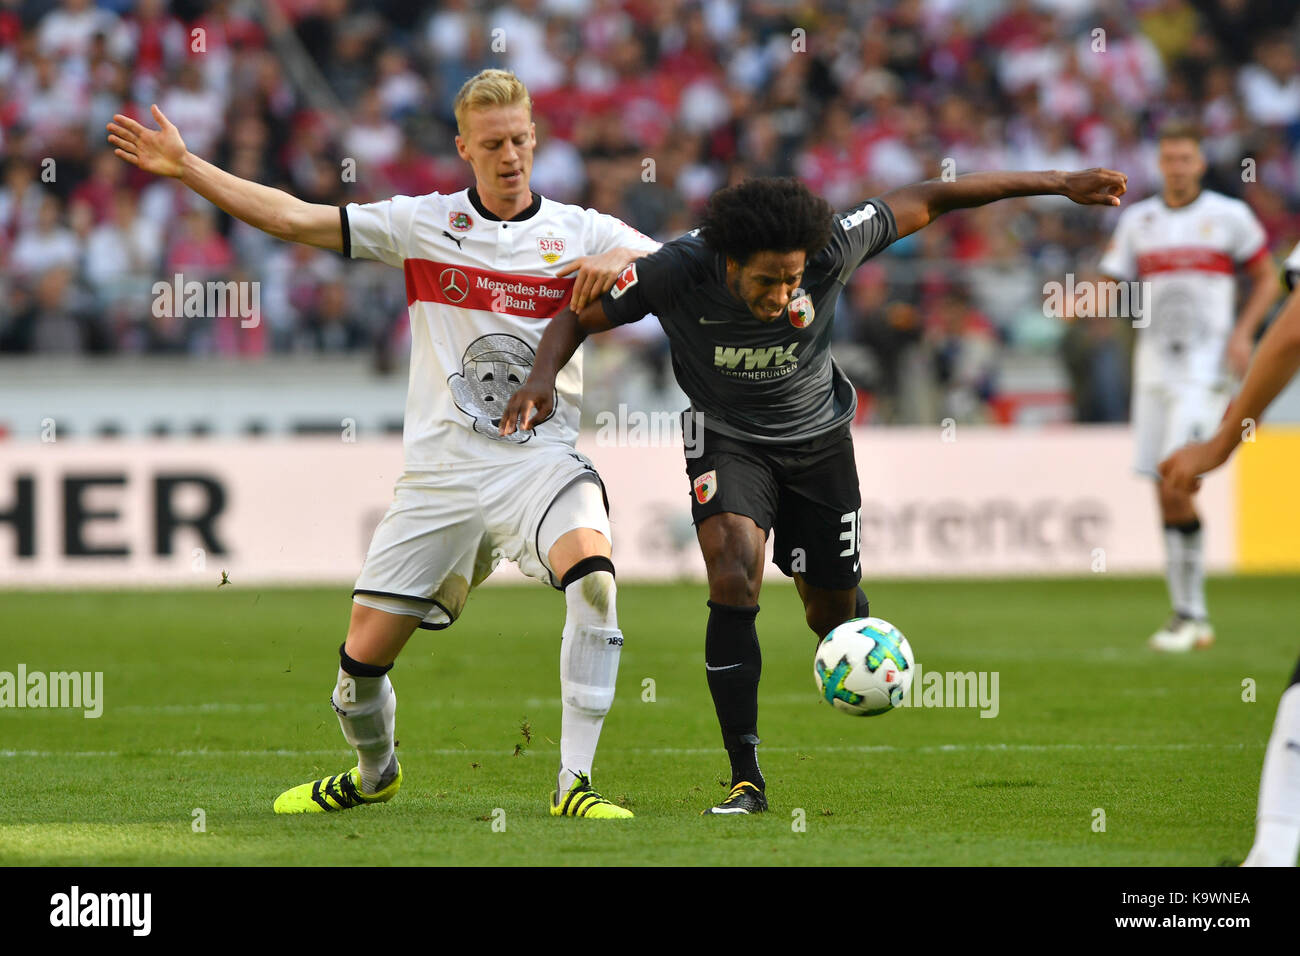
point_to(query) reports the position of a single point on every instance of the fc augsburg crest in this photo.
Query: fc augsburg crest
(801, 309)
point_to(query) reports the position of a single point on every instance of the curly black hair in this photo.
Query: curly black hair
(766, 215)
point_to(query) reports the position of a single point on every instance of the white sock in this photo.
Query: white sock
(367, 709)
(589, 653)
(1194, 574)
(1277, 830)
(1185, 572)
(1174, 576)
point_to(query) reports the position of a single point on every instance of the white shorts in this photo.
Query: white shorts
(446, 531)
(1165, 418)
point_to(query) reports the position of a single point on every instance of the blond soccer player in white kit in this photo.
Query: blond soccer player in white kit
(1186, 245)
(485, 270)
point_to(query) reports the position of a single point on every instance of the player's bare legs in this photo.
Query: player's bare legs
(825, 609)
(733, 555)
(573, 546)
(376, 637)
(1188, 626)
(733, 547)
(590, 647)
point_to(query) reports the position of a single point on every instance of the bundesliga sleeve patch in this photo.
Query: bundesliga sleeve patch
(706, 486)
(626, 279)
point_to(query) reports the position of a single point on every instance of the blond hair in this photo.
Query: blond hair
(1179, 129)
(490, 88)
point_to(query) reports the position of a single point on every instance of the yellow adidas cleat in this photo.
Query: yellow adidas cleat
(341, 792)
(582, 800)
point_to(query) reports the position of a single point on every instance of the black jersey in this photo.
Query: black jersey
(753, 380)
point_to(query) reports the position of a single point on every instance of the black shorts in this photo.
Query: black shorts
(808, 493)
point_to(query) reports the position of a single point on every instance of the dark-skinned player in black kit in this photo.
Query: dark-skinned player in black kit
(746, 301)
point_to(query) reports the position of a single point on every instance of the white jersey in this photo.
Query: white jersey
(1291, 268)
(480, 292)
(1187, 259)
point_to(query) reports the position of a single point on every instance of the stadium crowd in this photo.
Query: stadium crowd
(643, 108)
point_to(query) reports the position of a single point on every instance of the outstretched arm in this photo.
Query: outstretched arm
(916, 206)
(1276, 361)
(533, 401)
(163, 152)
(1264, 291)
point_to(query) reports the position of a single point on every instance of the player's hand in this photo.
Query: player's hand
(1240, 348)
(1091, 187)
(596, 275)
(160, 151)
(1181, 471)
(532, 403)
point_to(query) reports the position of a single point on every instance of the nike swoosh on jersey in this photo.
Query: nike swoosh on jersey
(704, 321)
(727, 667)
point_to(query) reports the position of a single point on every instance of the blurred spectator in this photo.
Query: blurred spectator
(1096, 354)
(123, 254)
(1270, 87)
(199, 252)
(195, 109)
(106, 176)
(372, 138)
(964, 349)
(329, 324)
(49, 245)
(51, 321)
(67, 32)
(888, 330)
(21, 197)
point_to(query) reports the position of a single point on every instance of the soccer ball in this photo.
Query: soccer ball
(864, 667)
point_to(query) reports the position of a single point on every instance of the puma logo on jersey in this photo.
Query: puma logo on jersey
(454, 239)
(774, 355)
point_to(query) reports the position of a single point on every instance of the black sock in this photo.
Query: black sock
(863, 608)
(734, 665)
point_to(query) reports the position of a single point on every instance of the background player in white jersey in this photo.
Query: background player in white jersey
(1186, 245)
(486, 269)
(1277, 822)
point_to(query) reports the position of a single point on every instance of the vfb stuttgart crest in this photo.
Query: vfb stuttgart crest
(551, 249)
(460, 221)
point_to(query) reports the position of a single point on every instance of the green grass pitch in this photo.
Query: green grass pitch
(216, 700)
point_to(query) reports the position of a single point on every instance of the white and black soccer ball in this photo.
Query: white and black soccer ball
(864, 667)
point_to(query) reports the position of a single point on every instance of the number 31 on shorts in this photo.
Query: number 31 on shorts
(853, 534)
